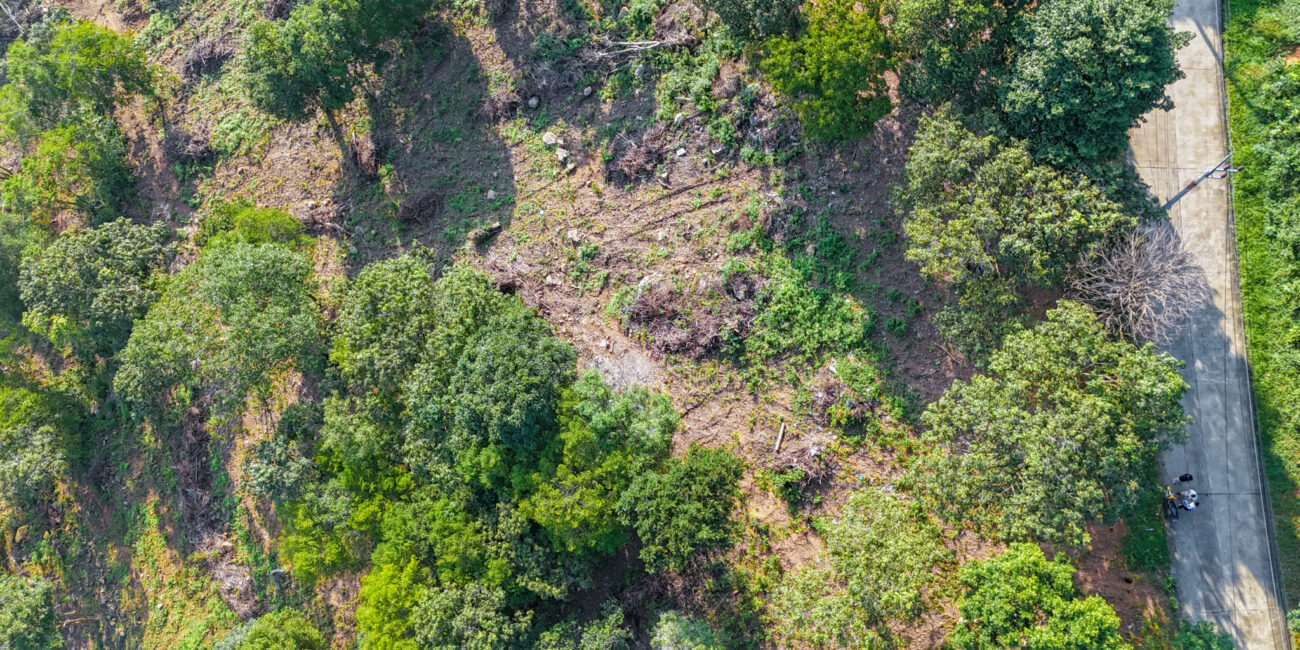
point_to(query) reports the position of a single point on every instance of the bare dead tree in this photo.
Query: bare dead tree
(1145, 286)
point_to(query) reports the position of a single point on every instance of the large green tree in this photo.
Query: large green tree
(1058, 434)
(88, 287)
(1086, 71)
(1020, 599)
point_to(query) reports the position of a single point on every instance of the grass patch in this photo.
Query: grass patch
(1264, 101)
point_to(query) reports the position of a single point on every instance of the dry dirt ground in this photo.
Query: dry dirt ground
(444, 145)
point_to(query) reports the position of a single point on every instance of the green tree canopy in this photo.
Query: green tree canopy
(472, 617)
(604, 439)
(1058, 434)
(955, 47)
(78, 166)
(88, 287)
(63, 71)
(684, 509)
(228, 322)
(27, 614)
(487, 387)
(1086, 71)
(315, 58)
(885, 553)
(975, 206)
(834, 72)
(31, 446)
(1020, 599)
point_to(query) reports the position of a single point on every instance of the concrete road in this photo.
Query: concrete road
(1223, 553)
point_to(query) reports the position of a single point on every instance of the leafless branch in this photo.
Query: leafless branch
(1145, 286)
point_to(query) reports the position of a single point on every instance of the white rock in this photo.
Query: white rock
(491, 195)
(550, 139)
(681, 152)
(678, 119)
(586, 92)
(561, 154)
(640, 70)
(574, 235)
(533, 101)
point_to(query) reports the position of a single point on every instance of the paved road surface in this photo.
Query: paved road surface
(1223, 557)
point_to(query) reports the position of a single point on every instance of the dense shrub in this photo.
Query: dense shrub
(1204, 635)
(757, 19)
(18, 235)
(880, 557)
(684, 509)
(604, 633)
(1020, 599)
(285, 629)
(1086, 71)
(809, 609)
(834, 72)
(243, 222)
(27, 618)
(1058, 434)
(88, 287)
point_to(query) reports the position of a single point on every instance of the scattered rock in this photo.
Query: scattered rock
(586, 92)
(681, 152)
(640, 70)
(678, 119)
(574, 235)
(534, 102)
(491, 195)
(561, 154)
(480, 235)
(550, 139)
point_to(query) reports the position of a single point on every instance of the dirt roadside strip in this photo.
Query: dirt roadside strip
(1223, 554)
